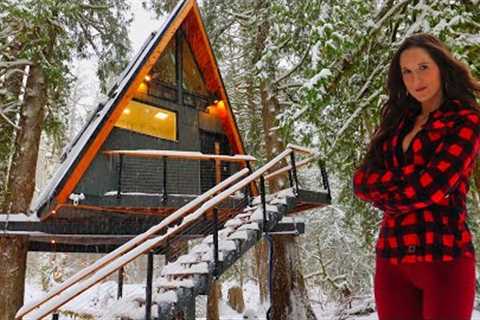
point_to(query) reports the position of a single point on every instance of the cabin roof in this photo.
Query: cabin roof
(75, 150)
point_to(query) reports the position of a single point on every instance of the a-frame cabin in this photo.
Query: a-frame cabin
(165, 135)
(170, 102)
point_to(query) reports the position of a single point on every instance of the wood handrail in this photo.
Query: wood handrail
(289, 167)
(187, 155)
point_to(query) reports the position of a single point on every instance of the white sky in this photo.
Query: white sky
(142, 25)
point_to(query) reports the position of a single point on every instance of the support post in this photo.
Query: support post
(323, 172)
(55, 316)
(120, 283)
(215, 243)
(165, 195)
(218, 167)
(248, 193)
(148, 298)
(250, 185)
(264, 202)
(120, 169)
(294, 169)
(290, 178)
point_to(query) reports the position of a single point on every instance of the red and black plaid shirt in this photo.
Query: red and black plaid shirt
(423, 191)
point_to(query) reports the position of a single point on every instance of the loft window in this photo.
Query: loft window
(150, 120)
(192, 78)
(164, 69)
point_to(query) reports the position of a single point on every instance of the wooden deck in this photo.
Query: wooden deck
(85, 228)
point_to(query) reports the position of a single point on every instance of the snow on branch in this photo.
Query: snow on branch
(15, 63)
(348, 59)
(353, 116)
(8, 108)
(298, 65)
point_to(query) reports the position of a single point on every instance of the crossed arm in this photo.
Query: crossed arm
(411, 187)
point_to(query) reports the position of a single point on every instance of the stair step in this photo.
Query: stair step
(239, 235)
(167, 284)
(174, 269)
(250, 226)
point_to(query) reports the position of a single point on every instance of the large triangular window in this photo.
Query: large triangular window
(163, 74)
(192, 78)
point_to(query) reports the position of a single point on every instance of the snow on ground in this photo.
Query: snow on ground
(96, 299)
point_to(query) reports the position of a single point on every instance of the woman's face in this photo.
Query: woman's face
(421, 76)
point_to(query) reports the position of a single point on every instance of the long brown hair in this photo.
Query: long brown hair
(457, 80)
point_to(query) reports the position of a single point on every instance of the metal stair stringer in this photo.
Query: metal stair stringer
(191, 274)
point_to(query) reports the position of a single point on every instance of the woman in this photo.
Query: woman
(416, 170)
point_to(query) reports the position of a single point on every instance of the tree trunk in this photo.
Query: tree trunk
(21, 178)
(261, 269)
(235, 299)
(214, 296)
(19, 193)
(13, 258)
(290, 299)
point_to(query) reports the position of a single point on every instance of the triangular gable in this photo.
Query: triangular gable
(84, 148)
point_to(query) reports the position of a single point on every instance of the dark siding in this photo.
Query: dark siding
(145, 175)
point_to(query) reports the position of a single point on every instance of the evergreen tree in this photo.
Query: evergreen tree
(39, 40)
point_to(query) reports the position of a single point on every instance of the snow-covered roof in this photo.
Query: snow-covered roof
(103, 111)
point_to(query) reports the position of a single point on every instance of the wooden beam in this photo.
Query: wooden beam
(189, 155)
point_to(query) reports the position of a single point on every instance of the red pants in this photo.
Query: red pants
(425, 290)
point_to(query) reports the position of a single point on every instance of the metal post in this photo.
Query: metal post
(165, 196)
(323, 172)
(264, 202)
(218, 164)
(120, 283)
(290, 179)
(148, 299)
(55, 316)
(215, 243)
(120, 169)
(247, 195)
(294, 169)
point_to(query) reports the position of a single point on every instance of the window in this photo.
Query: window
(153, 121)
(164, 69)
(192, 78)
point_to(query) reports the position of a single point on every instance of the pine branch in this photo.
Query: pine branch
(350, 119)
(348, 60)
(295, 68)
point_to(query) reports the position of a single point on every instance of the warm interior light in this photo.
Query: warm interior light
(126, 111)
(53, 241)
(161, 115)
(221, 105)
(142, 118)
(143, 88)
(148, 78)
